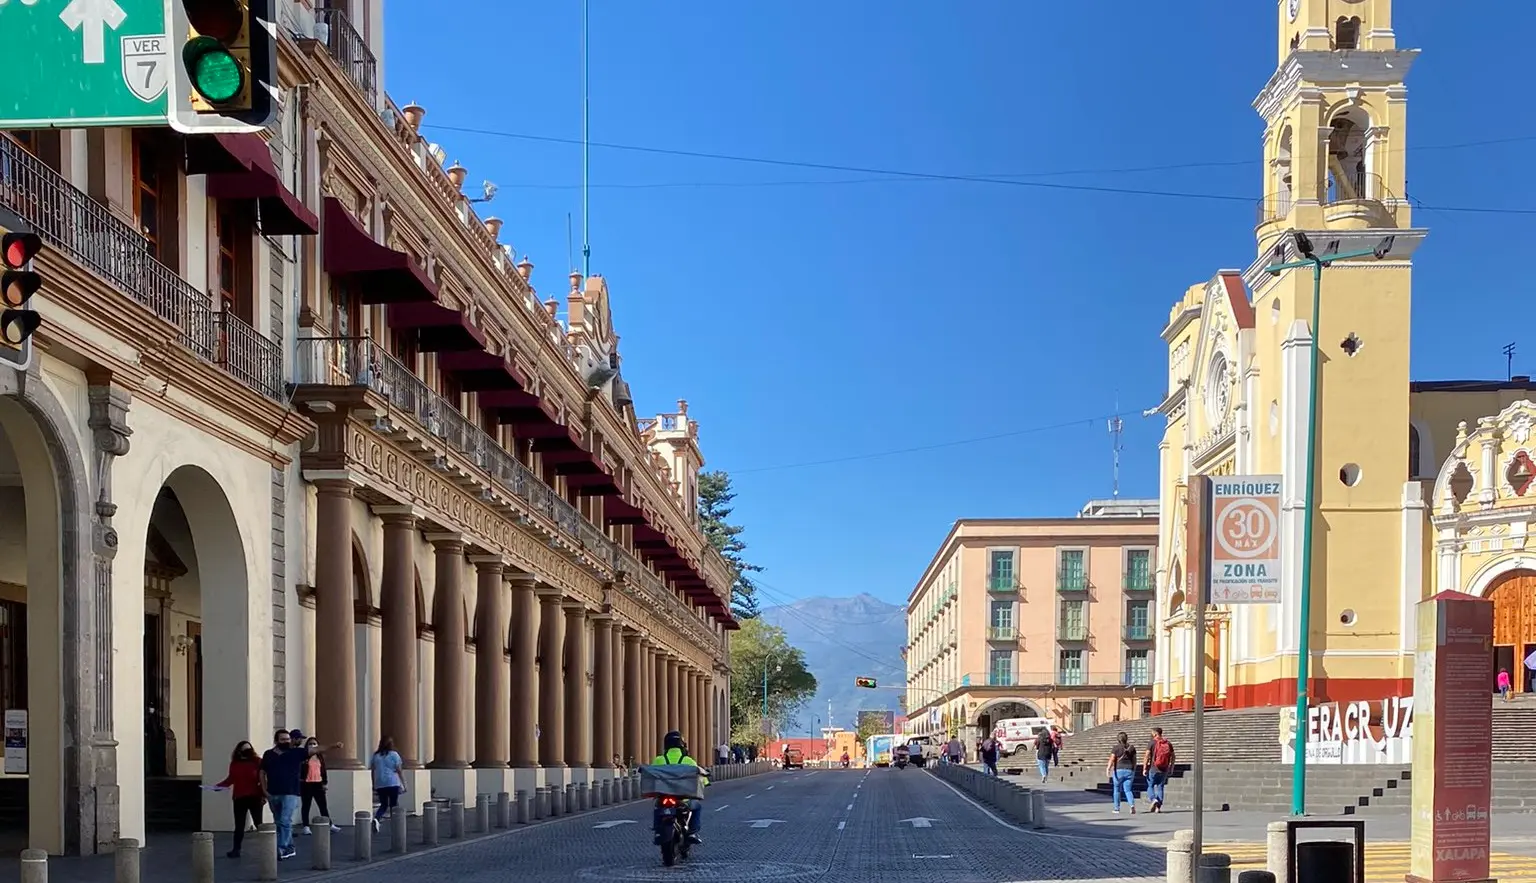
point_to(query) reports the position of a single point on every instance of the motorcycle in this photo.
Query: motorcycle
(845, 761)
(673, 816)
(901, 759)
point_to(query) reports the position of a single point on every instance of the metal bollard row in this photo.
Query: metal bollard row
(429, 835)
(503, 809)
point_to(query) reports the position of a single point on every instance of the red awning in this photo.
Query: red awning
(278, 211)
(224, 153)
(478, 370)
(382, 275)
(440, 329)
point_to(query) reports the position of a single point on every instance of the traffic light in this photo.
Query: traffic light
(866, 683)
(18, 282)
(224, 55)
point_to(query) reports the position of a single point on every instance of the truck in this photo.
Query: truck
(878, 749)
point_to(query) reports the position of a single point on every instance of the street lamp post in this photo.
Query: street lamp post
(1310, 258)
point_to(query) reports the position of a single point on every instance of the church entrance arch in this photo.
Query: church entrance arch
(990, 714)
(1514, 626)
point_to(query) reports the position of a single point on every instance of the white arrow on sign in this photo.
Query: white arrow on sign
(614, 824)
(918, 822)
(92, 18)
(766, 823)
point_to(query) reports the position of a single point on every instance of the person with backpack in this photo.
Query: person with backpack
(1045, 750)
(1160, 760)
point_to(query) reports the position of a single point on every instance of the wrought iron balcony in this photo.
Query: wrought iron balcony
(80, 228)
(1001, 679)
(1071, 581)
(1002, 633)
(1006, 585)
(350, 51)
(1071, 677)
(1138, 631)
(1071, 631)
(359, 361)
(1137, 581)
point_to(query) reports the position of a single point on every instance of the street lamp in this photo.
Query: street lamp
(1310, 258)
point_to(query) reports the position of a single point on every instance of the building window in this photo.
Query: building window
(195, 691)
(1071, 576)
(1347, 33)
(1138, 668)
(1000, 668)
(1074, 625)
(1138, 620)
(1000, 570)
(451, 389)
(403, 346)
(1069, 669)
(1083, 717)
(1413, 453)
(1138, 570)
(235, 271)
(149, 191)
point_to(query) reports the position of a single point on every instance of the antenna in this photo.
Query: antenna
(1116, 444)
(586, 139)
(570, 250)
(1509, 360)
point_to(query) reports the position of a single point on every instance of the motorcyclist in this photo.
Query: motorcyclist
(674, 752)
(845, 758)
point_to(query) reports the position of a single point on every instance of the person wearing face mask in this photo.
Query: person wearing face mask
(244, 784)
(312, 788)
(282, 776)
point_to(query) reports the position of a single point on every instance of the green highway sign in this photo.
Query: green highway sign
(83, 63)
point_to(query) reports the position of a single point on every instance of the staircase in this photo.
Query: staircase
(1242, 748)
(173, 804)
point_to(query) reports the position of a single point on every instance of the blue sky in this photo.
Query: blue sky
(812, 315)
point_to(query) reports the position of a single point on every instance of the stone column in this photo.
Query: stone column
(634, 725)
(551, 680)
(578, 712)
(685, 704)
(602, 692)
(491, 736)
(675, 695)
(660, 723)
(650, 727)
(616, 642)
(397, 603)
(525, 685)
(335, 654)
(712, 715)
(448, 632)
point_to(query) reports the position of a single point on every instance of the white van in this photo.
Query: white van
(1018, 733)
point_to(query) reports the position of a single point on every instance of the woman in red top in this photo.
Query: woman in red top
(244, 784)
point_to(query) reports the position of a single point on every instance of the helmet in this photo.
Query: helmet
(672, 740)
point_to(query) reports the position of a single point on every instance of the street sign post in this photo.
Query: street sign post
(1245, 539)
(83, 63)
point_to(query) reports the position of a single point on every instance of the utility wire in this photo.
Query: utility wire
(1014, 181)
(788, 607)
(1052, 427)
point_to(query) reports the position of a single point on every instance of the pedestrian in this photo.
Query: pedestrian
(1160, 760)
(988, 755)
(1504, 683)
(243, 781)
(1055, 745)
(1121, 770)
(312, 788)
(385, 764)
(956, 750)
(1044, 749)
(282, 772)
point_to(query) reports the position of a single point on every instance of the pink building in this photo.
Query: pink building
(1035, 617)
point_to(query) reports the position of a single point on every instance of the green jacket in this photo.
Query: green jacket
(675, 756)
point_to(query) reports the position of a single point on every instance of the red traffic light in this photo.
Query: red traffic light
(16, 249)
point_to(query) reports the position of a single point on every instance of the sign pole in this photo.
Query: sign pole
(1200, 505)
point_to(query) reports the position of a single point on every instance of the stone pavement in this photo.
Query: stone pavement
(849, 826)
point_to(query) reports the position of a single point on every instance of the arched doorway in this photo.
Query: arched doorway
(1004, 709)
(197, 652)
(1514, 626)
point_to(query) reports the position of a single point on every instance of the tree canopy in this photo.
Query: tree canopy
(715, 496)
(757, 648)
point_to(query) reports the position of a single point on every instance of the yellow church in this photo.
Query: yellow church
(1421, 487)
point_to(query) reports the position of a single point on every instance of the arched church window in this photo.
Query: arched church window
(1347, 33)
(1413, 453)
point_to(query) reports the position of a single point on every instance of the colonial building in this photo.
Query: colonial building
(302, 447)
(1392, 524)
(1034, 617)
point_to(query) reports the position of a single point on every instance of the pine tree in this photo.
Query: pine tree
(715, 496)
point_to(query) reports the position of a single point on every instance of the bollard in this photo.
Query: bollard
(362, 835)
(626, 789)
(1037, 808)
(1255, 877)
(455, 819)
(572, 803)
(605, 792)
(1027, 806)
(503, 809)
(583, 796)
(524, 808)
(1325, 861)
(1180, 856)
(556, 801)
(319, 845)
(202, 857)
(34, 866)
(125, 861)
(398, 827)
(540, 802)
(265, 840)
(429, 824)
(482, 813)
(1215, 867)
(1275, 836)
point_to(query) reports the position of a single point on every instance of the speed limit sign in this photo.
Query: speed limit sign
(1245, 539)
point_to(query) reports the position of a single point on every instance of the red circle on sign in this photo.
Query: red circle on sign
(1247, 528)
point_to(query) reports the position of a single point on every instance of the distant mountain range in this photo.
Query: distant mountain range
(844, 638)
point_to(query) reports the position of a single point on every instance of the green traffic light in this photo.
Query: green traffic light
(216, 73)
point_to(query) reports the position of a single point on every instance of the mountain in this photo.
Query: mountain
(845, 638)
